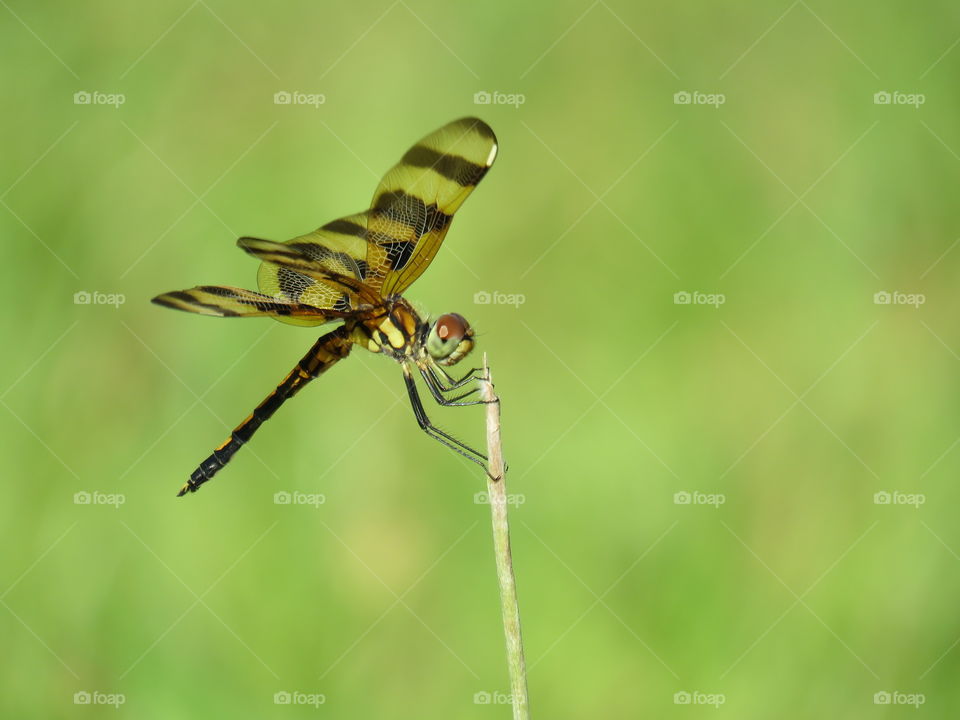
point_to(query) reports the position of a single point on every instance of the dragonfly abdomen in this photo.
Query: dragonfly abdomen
(323, 355)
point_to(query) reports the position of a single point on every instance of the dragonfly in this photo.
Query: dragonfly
(352, 271)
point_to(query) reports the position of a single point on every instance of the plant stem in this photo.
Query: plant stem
(497, 494)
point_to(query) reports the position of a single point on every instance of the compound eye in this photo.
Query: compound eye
(451, 328)
(448, 334)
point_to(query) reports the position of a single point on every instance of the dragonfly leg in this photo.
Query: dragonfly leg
(453, 383)
(432, 430)
(437, 389)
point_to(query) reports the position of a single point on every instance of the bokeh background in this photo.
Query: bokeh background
(742, 506)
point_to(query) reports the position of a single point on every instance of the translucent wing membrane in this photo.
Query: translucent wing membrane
(415, 202)
(235, 302)
(324, 268)
(350, 264)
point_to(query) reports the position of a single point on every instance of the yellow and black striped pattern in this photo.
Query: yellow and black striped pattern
(234, 302)
(328, 350)
(347, 267)
(388, 246)
(305, 269)
(415, 202)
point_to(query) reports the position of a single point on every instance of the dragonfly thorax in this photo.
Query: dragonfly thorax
(401, 333)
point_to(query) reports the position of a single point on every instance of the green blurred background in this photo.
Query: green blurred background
(795, 401)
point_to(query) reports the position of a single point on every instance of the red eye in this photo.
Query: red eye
(451, 327)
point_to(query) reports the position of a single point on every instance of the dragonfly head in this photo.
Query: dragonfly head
(450, 339)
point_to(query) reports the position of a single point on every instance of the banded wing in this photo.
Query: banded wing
(324, 268)
(235, 302)
(336, 270)
(415, 202)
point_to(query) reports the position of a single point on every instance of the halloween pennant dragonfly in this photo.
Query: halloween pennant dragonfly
(353, 271)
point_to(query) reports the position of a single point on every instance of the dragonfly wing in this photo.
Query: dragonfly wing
(324, 268)
(234, 302)
(415, 202)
